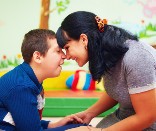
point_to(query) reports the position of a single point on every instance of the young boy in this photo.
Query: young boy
(21, 91)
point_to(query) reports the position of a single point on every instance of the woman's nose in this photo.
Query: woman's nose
(68, 56)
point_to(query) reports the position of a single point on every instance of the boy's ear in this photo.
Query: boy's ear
(84, 39)
(37, 57)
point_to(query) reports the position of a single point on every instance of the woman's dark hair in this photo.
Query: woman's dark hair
(36, 40)
(104, 48)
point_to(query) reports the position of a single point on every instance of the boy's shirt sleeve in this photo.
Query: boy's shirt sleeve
(22, 105)
(44, 124)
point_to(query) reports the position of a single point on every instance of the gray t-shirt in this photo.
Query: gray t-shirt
(134, 73)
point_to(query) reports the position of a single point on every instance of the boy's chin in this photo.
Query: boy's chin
(58, 73)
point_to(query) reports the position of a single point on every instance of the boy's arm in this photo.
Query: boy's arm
(22, 104)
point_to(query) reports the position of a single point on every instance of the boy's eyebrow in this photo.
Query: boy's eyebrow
(57, 47)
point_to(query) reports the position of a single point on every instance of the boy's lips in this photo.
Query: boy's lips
(62, 63)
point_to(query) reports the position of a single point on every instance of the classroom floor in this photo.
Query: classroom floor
(93, 122)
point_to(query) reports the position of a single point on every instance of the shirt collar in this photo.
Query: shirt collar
(29, 71)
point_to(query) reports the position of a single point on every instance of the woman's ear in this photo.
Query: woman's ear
(37, 57)
(84, 39)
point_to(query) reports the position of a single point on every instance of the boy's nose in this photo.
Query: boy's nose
(63, 55)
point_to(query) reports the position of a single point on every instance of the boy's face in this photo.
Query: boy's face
(53, 59)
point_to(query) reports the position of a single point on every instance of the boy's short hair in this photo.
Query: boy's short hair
(36, 40)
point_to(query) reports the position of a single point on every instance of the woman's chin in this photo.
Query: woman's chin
(81, 64)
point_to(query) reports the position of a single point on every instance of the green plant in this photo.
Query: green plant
(6, 62)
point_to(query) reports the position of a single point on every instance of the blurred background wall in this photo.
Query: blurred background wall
(17, 17)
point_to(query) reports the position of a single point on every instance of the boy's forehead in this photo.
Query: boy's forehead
(53, 43)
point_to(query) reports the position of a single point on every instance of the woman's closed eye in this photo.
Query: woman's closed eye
(66, 48)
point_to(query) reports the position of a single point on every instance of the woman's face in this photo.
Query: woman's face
(77, 50)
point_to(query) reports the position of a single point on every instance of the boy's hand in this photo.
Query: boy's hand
(71, 119)
(68, 119)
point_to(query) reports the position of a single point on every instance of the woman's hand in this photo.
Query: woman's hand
(68, 119)
(85, 128)
(85, 116)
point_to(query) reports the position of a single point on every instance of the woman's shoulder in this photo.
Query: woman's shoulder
(139, 50)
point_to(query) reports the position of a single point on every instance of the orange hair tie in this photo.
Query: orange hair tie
(101, 23)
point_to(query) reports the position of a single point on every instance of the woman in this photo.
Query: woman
(126, 65)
